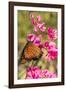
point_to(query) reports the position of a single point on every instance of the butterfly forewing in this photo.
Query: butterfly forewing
(30, 52)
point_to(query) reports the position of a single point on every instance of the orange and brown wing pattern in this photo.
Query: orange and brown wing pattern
(32, 51)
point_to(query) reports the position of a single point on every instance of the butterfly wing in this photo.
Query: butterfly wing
(30, 52)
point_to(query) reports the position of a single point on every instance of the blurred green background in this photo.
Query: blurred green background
(25, 27)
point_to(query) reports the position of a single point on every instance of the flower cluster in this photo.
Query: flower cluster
(38, 24)
(50, 44)
(52, 33)
(52, 50)
(38, 59)
(35, 73)
(35, 39)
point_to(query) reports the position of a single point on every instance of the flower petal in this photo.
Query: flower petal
(31, 37)
(38, 18)
(37, 41)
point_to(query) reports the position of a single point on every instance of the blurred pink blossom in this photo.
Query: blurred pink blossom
(52, 45)
(31, 37)
(35, 73)
(38, 18)
(46, 44)
(35, 39)
(37, 23)
(52, 54)
(41, 26)
(47, 74)
(49, 45)
(32, 19)
(52, 33)
(52, 51)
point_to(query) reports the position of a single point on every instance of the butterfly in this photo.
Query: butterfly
(30, 52)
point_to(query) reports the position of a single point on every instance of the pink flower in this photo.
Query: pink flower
(52, 54)
(46, 44)
(48, 74)
(51, 49)
(52, 34)
(38, 18)
(41, 26)
(35, 73)
(37, 24)
(37, 41)
(52, 45)
(32, 19)
(49, 45)
(31, 37)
